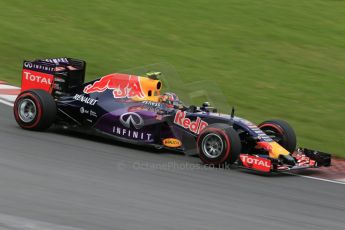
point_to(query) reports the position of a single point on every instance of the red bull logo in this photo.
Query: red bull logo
(123, 86)
(195, 126)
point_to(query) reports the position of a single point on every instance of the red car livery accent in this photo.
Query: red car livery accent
(36, 80)
(303, 160)
(264, 145)
(254, 162)
(123, 86)
(195, 126)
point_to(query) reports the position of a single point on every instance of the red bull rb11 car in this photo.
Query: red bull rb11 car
(133, 109)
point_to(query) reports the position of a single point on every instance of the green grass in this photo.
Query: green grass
(271, 58)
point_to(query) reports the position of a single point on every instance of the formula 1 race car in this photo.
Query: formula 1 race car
(132, 108)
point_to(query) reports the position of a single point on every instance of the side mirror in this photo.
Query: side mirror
(192, 108)
(206, 106)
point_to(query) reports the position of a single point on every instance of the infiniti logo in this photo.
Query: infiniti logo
(28, 64)
(135, 119)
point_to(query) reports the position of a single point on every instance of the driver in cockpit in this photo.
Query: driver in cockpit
(171, 100)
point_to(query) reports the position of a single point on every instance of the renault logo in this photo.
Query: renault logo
(134, 119)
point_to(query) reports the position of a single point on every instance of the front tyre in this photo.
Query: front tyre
(35, 109)
(281, 132)
(218, 144)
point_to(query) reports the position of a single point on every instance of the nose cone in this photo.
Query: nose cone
(287, 159)
(274, 149)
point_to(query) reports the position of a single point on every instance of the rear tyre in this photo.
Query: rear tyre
(281, 132)
(35, 109)
(218, 144)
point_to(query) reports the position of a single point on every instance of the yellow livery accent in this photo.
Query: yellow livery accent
(172, 142)
(277, 150)
(151, 89)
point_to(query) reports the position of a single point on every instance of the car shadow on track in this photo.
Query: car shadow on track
(110, 141)
(149, 149)
(263, 174)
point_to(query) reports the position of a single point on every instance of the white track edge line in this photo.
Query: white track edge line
(6, 103)
(316, 178)
(309, 177)
(5, 86)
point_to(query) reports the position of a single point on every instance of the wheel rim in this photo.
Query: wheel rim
(27, 110)
(212, 145)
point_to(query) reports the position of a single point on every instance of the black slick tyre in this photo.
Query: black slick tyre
(281, 132)
(218, 144)
(35, 110)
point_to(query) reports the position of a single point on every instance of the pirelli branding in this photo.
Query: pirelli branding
(172, 143)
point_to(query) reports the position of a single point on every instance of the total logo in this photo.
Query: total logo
(123, 86)
(254, 162)
(30, 76)
(194, 126)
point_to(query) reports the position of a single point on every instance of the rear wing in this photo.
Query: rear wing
(58, 76)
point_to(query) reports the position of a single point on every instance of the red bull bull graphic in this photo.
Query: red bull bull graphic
(123, 86)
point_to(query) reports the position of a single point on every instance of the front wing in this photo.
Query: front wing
(304, 158)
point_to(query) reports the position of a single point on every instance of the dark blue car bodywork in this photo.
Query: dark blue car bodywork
(129, 108)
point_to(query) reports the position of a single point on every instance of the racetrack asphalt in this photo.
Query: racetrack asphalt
(64, 180)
